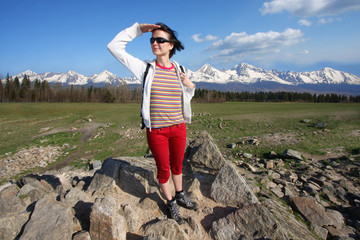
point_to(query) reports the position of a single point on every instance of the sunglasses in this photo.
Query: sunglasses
(158, 40)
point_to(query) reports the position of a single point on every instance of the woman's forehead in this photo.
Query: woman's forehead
(160, 33)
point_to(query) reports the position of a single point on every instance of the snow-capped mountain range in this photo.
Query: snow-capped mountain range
(247, 74)
(244, 74)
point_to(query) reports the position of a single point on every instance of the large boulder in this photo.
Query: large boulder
(250, 222)
(230, 188)
(50, 220)
(204, 154)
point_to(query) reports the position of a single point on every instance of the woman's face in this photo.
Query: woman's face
(161, 49)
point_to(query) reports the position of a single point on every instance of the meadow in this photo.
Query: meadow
(277, 126)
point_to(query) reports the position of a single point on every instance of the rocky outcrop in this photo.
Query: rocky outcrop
(256, 199)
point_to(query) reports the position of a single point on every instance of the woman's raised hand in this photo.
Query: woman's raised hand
(146, 27)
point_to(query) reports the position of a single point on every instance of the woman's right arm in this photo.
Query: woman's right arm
(117, 48)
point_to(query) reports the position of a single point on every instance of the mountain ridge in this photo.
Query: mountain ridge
(243, 73)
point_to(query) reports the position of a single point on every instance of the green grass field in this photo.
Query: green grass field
(228, 123)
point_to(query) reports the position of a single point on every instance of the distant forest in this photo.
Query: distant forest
(14, 90)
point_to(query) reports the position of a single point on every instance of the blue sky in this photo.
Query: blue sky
(288, 35)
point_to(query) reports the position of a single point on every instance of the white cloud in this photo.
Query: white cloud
(196, 38)
(323, 21)
(304, 22)
(240, 45)
(309, 8)
(305, 52)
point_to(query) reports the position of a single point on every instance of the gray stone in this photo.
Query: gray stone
(132, 219)
(35, 194)
(336, 218)
(232, 145)
(96, 165)
(168, 228)
(289, 153)
(250, 222)
(154, 236)
(50, 220)
(204, 153)
(105, 220)
(320, 231)
(313, 211)
(82, 235)
(247, 155)
(305, 120)
(10, 225)
(269, 164)
(230, 188)
(135, 176)
(12, 205)
(320, 125)
(75, 195)
(106, 176)
(278, 192)
(249, 167)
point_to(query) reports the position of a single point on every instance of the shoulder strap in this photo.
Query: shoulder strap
(145, 73)
(182, 69)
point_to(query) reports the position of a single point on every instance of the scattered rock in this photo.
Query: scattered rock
(24, 158)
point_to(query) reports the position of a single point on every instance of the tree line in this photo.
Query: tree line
(14, 90)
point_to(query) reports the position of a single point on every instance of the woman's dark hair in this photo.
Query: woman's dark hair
(178, 46)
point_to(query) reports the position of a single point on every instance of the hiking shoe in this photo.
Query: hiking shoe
(174, 211)
(183, 200)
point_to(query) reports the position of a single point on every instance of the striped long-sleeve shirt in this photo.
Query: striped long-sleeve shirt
(165, 99)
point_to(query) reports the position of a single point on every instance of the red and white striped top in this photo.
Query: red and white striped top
(165, 98)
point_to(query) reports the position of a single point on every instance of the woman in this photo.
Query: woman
(165, 108)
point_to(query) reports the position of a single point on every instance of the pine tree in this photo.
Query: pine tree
(35, 96)
(24, 93)
(1, 91)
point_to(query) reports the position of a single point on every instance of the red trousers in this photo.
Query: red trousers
(168, 147)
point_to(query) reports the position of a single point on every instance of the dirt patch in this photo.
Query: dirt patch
(87, 131)
(338, 152)
(131, 133)
(354, 133)
(274, 139)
